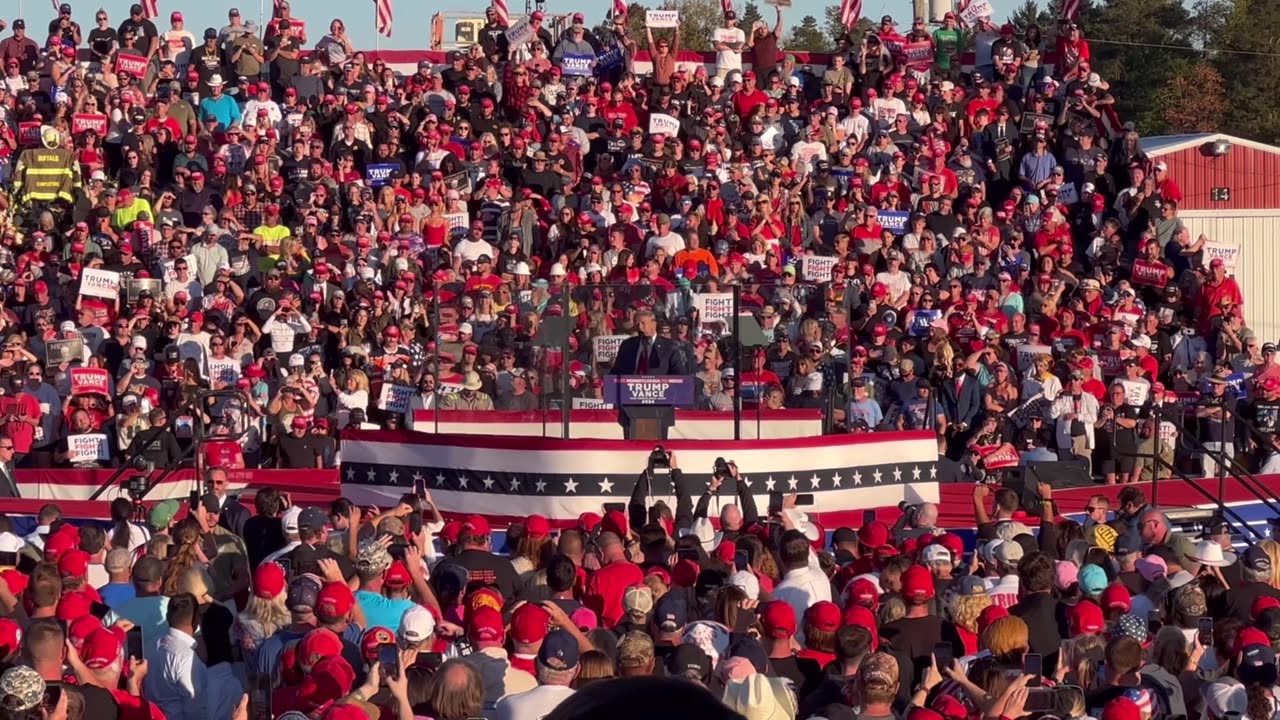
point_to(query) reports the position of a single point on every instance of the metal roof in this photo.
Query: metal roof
(1158, 145)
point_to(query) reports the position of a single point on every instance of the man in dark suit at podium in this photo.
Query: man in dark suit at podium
(648, 354)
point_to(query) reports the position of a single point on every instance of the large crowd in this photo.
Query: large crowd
(265, 239)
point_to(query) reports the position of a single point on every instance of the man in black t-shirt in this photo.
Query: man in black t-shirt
(1256, 572)
(298, 449)
(918, 632)
(143, 29)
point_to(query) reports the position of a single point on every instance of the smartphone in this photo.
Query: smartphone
(389, 659)
(430, 660)
(1153, 622)
(98, 610)
(8, 559)
(943, 655)
(1033, 665)
(260, 698)
(804, 499)
(615, 507)
(687, 554)
(415, 522)
(740, 560)
(133, 642)
(52, 694)
(1206, 632)
(775, 504)
(1041, 700)
(868, 517)
(396, 551)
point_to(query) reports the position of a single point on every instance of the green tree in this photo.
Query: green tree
(750, 16)
(808, 37)
(1246, 57)
(835, 29)
(698, 19)
(1131, 50)
(1194, 101)
(1030, 12)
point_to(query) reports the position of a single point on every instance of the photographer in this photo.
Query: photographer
(733, 516)
(915, 521)
(638, 506)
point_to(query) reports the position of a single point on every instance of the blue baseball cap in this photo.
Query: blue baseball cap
(671, 613)
(559, 650)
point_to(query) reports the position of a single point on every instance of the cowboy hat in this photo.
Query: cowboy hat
(471, 382)
(1210, 553)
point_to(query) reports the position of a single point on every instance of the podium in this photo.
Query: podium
(646, 403)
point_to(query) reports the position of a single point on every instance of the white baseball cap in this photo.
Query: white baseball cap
(416, 625)
(290, 519)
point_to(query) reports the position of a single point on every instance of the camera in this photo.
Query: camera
(659, 458)
(721, 468)
(909, 511)
(136, 486)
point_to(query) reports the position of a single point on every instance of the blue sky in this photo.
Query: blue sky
(412, 26)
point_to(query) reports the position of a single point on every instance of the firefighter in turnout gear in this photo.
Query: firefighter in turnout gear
(48, 173)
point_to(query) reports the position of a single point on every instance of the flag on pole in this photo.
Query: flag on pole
(500, 7)
(850, 11)
(383, 10)
(149, 9)
(727, 6)
(1069, 11)
(619, 8)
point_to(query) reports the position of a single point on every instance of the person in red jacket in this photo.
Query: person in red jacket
(607, 585)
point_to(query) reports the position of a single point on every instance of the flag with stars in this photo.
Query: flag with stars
(509, 478)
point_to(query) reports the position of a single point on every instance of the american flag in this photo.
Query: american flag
(850, 11)
(149, 9)
(619, 8)
(275, 8)
(383, 10)
(1069, 11)
(500, 7)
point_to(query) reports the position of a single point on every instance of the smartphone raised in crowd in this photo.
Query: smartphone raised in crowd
(1206, 632)
(133, 642)
(943, 655)
(1033, 665)
(389, 659)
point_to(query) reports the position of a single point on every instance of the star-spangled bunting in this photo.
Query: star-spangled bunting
(494, 482)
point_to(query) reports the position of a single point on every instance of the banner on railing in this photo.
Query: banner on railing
(505, 478)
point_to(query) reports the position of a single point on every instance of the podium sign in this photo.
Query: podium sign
(662, 390)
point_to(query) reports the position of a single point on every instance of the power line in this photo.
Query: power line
(1163, 46)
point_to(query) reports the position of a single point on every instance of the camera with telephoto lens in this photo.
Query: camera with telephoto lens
(721, 468)
(659, 458)
(909, 511)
